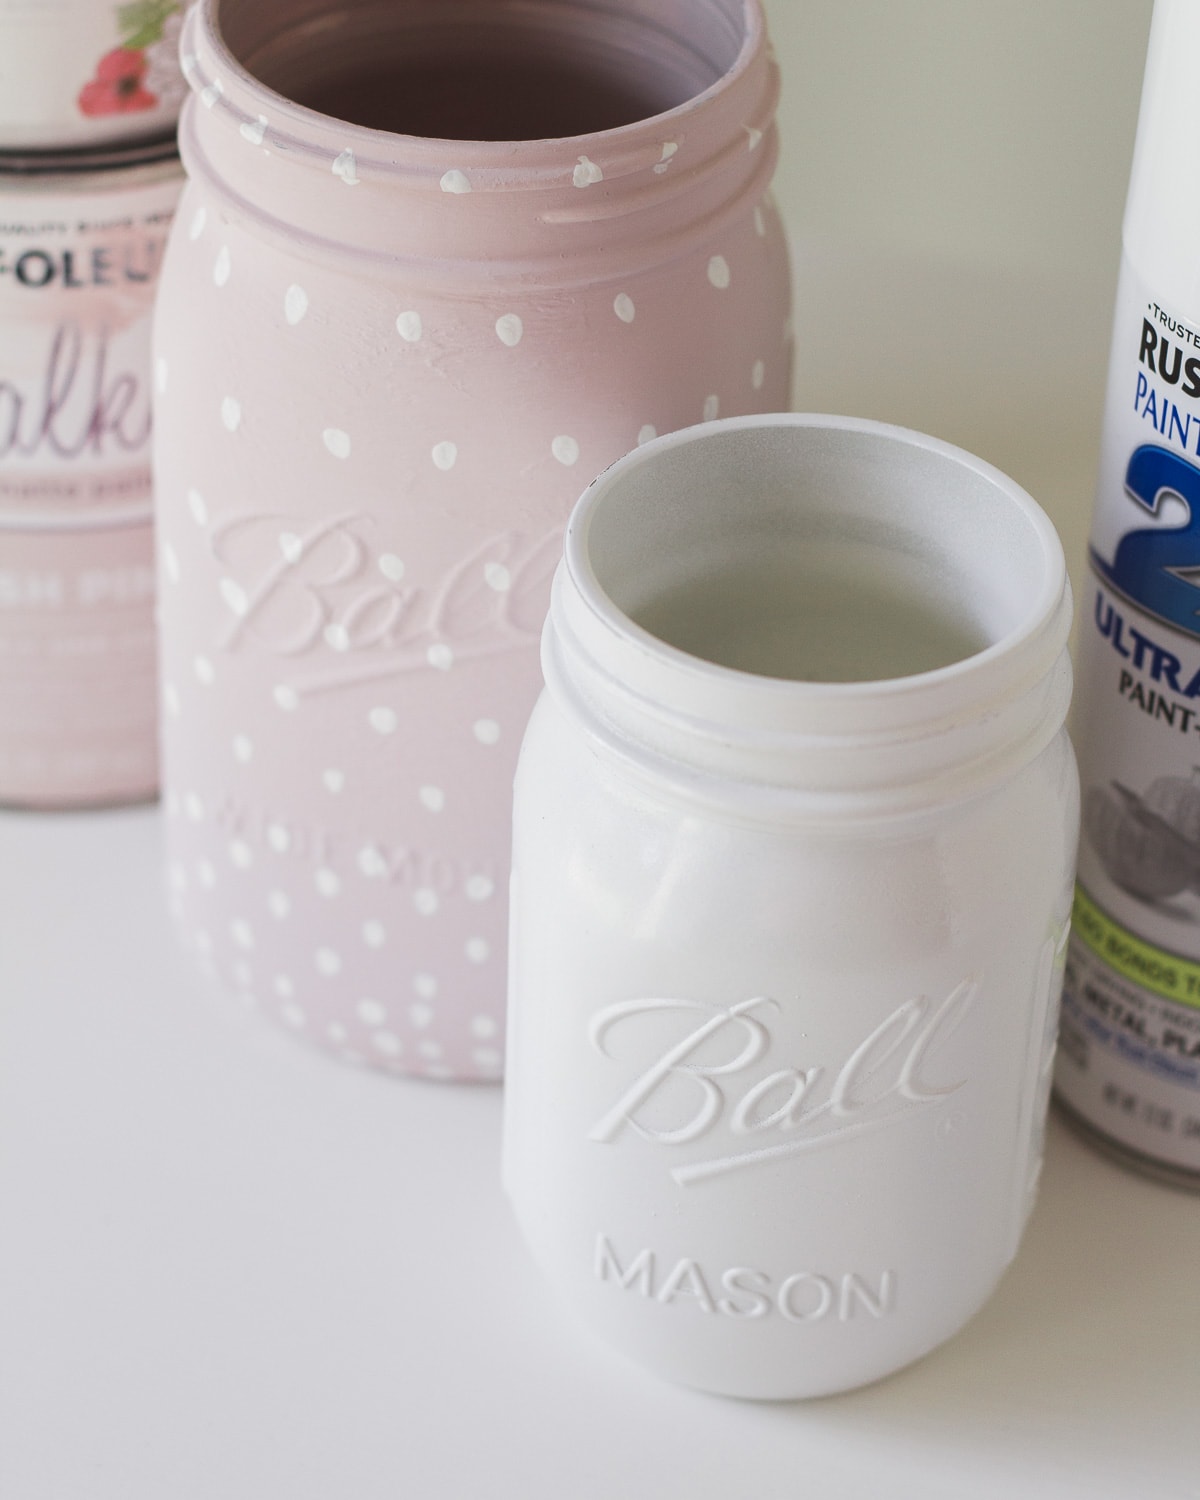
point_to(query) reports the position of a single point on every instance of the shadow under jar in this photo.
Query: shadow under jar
(438, 264)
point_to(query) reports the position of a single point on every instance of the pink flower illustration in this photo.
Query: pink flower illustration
(117, 88)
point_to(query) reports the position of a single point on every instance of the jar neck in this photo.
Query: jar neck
(577, 202)
(689, 503)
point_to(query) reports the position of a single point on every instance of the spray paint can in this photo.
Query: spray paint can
(1129, 1055)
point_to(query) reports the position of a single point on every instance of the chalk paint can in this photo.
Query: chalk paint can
(78, 74)
(80, 250)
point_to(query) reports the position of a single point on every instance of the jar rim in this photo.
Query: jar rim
(998, 703)
(210, 64)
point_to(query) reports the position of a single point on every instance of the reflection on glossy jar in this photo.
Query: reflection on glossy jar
(80, 74)
(793, 843)
(398, 350)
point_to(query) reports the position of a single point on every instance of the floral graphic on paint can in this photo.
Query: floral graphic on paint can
(142, 73)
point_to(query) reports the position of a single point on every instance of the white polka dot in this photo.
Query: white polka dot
(283, 986)
(171, 699)
(484, 1027)
(486, 1058)
(384, 720)
(328, 962)
(162, 374)
(566, 450)
(222, 266)
(668, 151)
(170, 560)
(432, 798)
(291, 546)
(420, 1015)
(243, 749)
(279, 905)
(206, 874)
(374, 934)
(254, 131)
(231, 414)
(440, 656)
(279, 838)
(387, 1043)
(234, 596)
(431, 1049)
(480, 888)
(242, 933)
(439, 1071)
(338, 637)
(445, 456)
(391, 567)
(193, 808)
(286, 698)
(409, 326)
(198, 508)
(241, 854)
(646, 435)
(719, 273)
(425, 986)
(712, 408)
(295, 304)
(337, 441)
(755, 135)
(510, 330)
(497, 577)
(333, 781)
(760, 224)
(624, 307)
(328, 882)
(336, 1032)
(372, 863)
(371, 1012)
(292, 1014)
(478, 950)
(346, 167)
(196, 227)
(758, 375)
(587, 173)
(210, 95)
(455, 181)
(204, 670)
(426, 900)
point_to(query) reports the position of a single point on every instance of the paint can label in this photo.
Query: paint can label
(1129, 1056)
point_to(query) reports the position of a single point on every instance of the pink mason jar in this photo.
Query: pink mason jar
(439, 262)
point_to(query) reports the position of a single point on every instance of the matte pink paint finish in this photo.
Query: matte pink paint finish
(79, 253)
(395, 362)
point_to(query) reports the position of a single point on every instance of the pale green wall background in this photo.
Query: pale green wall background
(953, 175)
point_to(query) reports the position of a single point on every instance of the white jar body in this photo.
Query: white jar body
(777, 1088)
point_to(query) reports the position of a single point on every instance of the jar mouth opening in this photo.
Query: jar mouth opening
(486, 75)
(817, 559)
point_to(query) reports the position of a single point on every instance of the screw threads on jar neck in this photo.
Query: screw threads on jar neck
(858, 614)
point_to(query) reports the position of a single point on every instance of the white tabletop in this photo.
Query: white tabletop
(233, 1270)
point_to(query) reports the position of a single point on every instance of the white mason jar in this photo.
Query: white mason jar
(794, 840)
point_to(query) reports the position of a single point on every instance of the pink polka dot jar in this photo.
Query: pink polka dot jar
(398, 346)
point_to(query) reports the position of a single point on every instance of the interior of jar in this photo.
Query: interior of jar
(486, 70)
(816, 554)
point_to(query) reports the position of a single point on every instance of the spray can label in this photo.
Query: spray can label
(1129, 1056)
